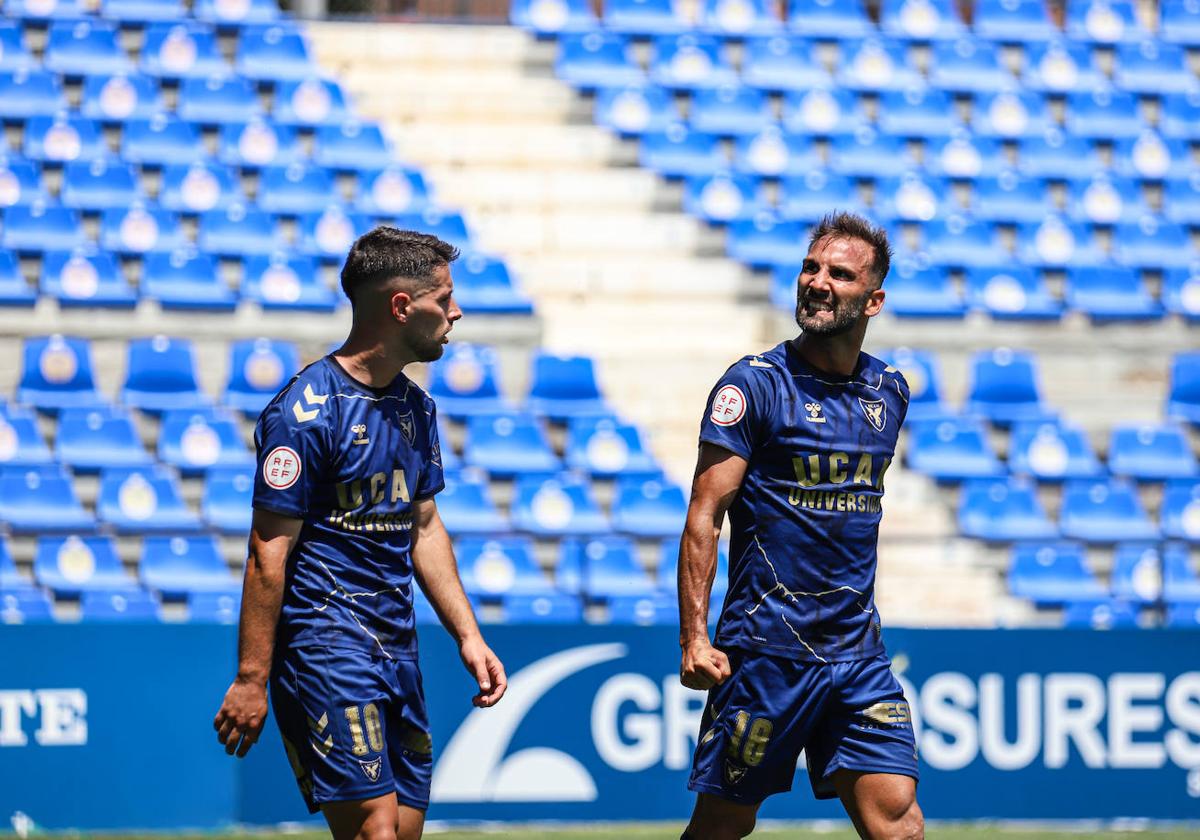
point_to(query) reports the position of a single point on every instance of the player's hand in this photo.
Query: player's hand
(703, 665)
(485, 666)
(241, 716)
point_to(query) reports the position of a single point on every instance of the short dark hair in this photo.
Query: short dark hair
(387, 253)
(843, 225)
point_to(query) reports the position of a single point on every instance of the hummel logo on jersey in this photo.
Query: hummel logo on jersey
(371, 768)
(814, 413)
(757, 362)
(875, 412)
(360, 434)
(317, 727)
(303, 415)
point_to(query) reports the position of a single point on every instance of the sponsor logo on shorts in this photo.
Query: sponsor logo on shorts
(734, 772)
(281, 468)
(891, 712)
(729, 406)
(371, 769)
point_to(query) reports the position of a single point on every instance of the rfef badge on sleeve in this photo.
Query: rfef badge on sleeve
(729, 406)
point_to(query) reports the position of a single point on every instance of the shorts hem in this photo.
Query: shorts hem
(725, 793)
(859, 767)
(352, 796)
(791, 654)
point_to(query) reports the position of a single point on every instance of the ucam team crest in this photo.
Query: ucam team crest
(875, 412)
(371, 769)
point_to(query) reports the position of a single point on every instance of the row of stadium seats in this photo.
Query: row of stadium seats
(1054, 574)
(222, 13)
(1103, 22)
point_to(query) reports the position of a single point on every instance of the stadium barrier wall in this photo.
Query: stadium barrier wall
(110, 726)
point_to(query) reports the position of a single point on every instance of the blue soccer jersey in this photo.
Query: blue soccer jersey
(349, 460)
(805, 523)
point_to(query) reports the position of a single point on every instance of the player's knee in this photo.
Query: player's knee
(903, 823)
(726, 826)
(379, 826)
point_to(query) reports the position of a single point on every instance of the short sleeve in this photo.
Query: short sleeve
(737, 410)
(433, 480)
(291, 460)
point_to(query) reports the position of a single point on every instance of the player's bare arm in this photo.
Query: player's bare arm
(718, 478)
(244, 709)
(437, 573)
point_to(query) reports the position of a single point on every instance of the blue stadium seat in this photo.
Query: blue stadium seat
(784, 289)
(509, 443)
(390, 190)
(194, 441)
(20, 183)
(962, 242)
(873, 65)
(767, 240)
(1011, 115)
(218, 99)
(1057, 243)
(1180, 23)
(643, 17)
(1103, 21)
(1137, 573)
(448, 225)
(309, 102)
(138, 12)
(721, 197)
(21, 443)
(1053, 574)
(1183, 396)
(914, 292)
(971, 66)
(85, 277)
(1153, 243)
(866, 154)
(43, 10)
(1104, 511)
(227, 501)
(179, 566)
(558, 506)
(739, 18)
(41, 500)
(199, 187)
(177, 281)
(232, 13)
(952, 449)
(258, 369)
(465, 381)
(1181, 200)
(829, 19)
(648, 507)
(1181, 584)
(160, 140)
(807, 197)
(83, 47)
(352, 146)
(781, 63)
(918, 113)
(62, 138)
(921, 370)
(329, 233)
(1151, 452)
(550, 608)
(494, 567)
(483, 284)
(1104, 114)
(550, 18)
(1181, 293)
(1010, 198)
(921, 20)
(1013, 21)
(214, 607)
(40, 227)
(14, 290)
(258, 143)
(71, 565)
(161, 375)
(1061, 67)
(658, 609)
(92, 439)
(822, 113)
(678, 152)
(1153, 68)
(99, 184)
(730, 111)
(1179, 116)
(963, 155)
(774, 154)
(1052, 451)
(24, 606)
(180, 50)
(141, 230)
(466, 505)
(239, 231)
(1059, 156)
(14, 54)
(564, 387)
(296, 189)
(1011, 292)
(1104, 200)
(281, 282)
(273, 53)
(635, 109)
(30, 93)
(131, 604)
(57, 373)
(1003, 510)
(144, 500)
(1004, 387)
(910, 197)
(1186, 614)
(690, 61)
(606, 447)
(1110, 293)
(606, 567)
(1106, 614)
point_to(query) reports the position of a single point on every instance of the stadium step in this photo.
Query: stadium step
(501, 189)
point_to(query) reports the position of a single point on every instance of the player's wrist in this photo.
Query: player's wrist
(256, 677)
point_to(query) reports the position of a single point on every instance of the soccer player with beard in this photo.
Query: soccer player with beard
(794, 447)
(344, 522)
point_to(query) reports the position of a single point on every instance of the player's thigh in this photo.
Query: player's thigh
(715, 818)
(377, 818)
(883, 806)
(409, 746)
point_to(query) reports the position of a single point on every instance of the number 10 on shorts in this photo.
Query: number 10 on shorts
(749, 746)
(374, 731)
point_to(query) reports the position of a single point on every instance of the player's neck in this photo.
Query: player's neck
(837, 354)
(369, 362)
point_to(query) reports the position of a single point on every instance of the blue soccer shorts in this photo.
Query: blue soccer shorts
(843, 715)
(354, 725)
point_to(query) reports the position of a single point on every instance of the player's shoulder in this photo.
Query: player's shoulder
(890, 377)
(305, 400)
(764, 366)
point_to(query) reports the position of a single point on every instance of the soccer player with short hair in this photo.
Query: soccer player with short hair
(344, 522)
(794, 448)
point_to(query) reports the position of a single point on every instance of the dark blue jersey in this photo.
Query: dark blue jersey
(805, 522)
(349, 460)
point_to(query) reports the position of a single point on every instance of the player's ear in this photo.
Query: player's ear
(400, 303)
(874, 303)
